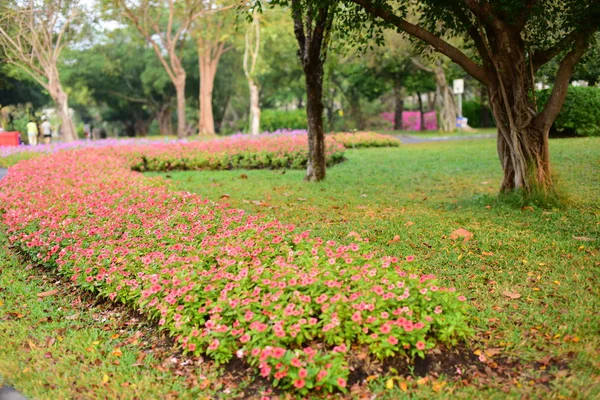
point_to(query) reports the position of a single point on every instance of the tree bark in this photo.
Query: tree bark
(421, 111)
(447, 109)
(62, 107)
(398, 106)
(254, 107)
(164, 119)
(311, 35)
(315, 169)
(180, 91)
(208, 69)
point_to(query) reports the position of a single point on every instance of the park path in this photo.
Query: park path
(409, 139)
(405, 139)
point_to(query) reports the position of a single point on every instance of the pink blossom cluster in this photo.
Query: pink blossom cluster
(222, 282)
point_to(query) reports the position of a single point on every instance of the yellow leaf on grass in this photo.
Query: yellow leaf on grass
(105, 378)
(117, 352)
(371, 378)
(95, 343)
(389, 384)
(422, 381)
(459, 256)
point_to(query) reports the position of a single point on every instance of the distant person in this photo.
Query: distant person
(46, 129)
(32, 133)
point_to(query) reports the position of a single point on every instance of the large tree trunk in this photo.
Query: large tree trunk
(522, 139)
(180, 91)
(254, 107)
(315, 169)
(447, 110)
(164, 119)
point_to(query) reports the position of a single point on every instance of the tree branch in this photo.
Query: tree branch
(418, 32)
(561, 83)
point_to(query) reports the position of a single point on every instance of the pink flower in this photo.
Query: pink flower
(214, 345)
(295, 362)
(322, 374)
(385, 328)
(299, 383)
(392, 340)
(341, 382)
(245, 338)
(421, 345)
(462, 298)
(410, 258)
(278, 352)
(357, 317)
(302, 373)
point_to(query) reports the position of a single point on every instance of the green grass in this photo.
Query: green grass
(422, 193)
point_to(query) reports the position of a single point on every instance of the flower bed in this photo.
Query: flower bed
(365, 139)
(222, 282)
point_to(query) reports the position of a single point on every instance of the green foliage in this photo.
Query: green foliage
(580, 115)
(273, 120)
(473, 109)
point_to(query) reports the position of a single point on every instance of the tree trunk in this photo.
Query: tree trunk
(208, 68)
(421, 111)
(356, 111)
(522, 139)
(67, 128)
(180, 90)
(398, 106)
(254, 108)
(447, 110)
(315, 169)
(164, 119)
(141, 127)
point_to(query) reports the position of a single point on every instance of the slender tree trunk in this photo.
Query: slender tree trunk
(62, 105)
(447, 110)
(421, 111)
(164, 119)
(254, 107)
(398, 105)
(141, 127)
(357, 112)
(315, 169)
(208, 69)
(180, 91)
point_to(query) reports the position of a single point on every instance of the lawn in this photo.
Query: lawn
(438, 134)
(531, 275)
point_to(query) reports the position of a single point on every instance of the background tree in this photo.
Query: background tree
(33, 34)
(313, 24)
(211, 33)
(251, 52)
(165, 24)
(512, 39)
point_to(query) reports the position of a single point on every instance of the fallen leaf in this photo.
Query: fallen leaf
(527, 208)
(224, 196)
(438, 386)
(389, 384)
(47, 355)
(487, 253)
(512, 295)
(422, 381)
(461, 233)
(493, 352)
(409, 223)
(117, 352)
(403, 386)
(105, 378)
(584, 238)
(395, 239)
(72, 317)
(243, 176)
(48, 293)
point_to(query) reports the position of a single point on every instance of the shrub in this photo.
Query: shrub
(580, 115)
(222, 282)
(273, 120)
(365, 139)
(473, 110)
